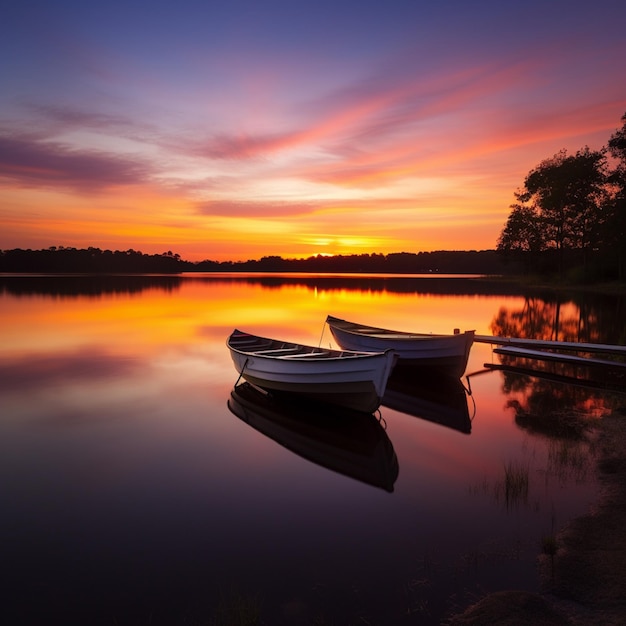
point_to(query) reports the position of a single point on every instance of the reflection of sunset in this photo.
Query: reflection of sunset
(201, 314)
(114, 396)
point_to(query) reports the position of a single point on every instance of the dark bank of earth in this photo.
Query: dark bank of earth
(585, 582)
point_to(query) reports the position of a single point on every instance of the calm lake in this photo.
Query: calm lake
(131, 493)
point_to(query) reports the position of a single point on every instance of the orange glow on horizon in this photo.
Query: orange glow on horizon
(396, 199)
(102, 222)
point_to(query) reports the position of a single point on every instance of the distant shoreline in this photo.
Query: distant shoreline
(483, 265)
(95, 260)
(519, 282)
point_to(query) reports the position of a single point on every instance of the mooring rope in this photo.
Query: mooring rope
(319, 345)
(474, 411)
(242, 370)
(468, 390)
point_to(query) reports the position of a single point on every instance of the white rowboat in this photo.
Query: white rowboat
(354, 379)
(447, 354)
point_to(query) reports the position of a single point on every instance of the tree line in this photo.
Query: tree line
(62, 260)
(95, 261)
(569, 216)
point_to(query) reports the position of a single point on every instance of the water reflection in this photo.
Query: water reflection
(101, 284)
(86, 285)
(563, 416)
(560, 402)
(557, 411)
(117, 448)
(348, 442)
(567, 417)
(519, 372)
(591, 318)
(510, 489)
(401, 284)
(439, 399)
(585, 319)
(43, 370)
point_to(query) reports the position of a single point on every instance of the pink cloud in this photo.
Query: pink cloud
(380, 126)
(428, 125)
(243, 146)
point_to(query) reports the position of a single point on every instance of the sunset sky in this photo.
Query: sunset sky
(236, 129)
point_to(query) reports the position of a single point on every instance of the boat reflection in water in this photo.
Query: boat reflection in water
(348, 442)
(439, 399)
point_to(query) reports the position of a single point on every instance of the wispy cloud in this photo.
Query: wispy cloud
(243, 146)
(32, 162)
(72, 117)
(256, 209)
(380, 128)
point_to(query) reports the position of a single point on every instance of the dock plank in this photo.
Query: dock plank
(555, 356)
(552, 345)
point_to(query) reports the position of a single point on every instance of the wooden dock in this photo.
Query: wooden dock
(533, 356)
(542, 355)
(540, 344)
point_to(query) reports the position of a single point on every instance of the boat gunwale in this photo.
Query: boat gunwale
(375, 332)
(314, 354)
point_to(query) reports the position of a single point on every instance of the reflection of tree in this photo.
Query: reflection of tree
(86, 285)
(436, 285)
(566, 416)
(589, 318)
(563, 413)
(557, 411)
(533, 320)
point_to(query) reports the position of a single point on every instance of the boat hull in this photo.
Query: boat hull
(353, 380)
(447, 354)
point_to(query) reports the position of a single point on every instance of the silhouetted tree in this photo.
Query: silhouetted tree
(562, 206)
(567, 192)
(615, 224)
(91, 260)
(94, 260)
(523, 236)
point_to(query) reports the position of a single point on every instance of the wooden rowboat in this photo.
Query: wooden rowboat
(447, 354)
(354, 379)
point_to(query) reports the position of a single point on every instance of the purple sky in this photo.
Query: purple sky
(233, 130)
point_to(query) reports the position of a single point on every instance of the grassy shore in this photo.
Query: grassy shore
(584, 580)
